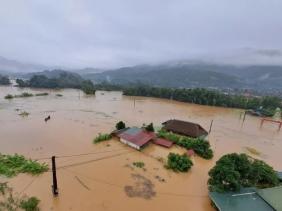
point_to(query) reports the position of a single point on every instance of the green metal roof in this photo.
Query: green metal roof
(272, 196)
(246, 199)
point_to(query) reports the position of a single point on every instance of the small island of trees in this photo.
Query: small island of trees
(233, 171)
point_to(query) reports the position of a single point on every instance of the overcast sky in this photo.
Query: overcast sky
(112, 33)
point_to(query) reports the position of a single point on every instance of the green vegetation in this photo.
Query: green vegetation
(178, 163)
(139, 164)
(120, 125)
(59, 79)
(9, 96)
(24, 114)
(150, 127)
(11, 202)
(30, 204)
(11, 165)
(200, 146)
(87, 87)
(59, 95)
(102, 137)
(4, 80)
(233, 171)
(42, 94)
(25, 94)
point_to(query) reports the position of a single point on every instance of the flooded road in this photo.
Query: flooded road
(98, 179)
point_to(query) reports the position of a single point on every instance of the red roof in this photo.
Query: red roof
(141, 138)
(163, 142)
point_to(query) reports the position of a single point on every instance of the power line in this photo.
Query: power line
(28, 185)
(93, 160)
(77, 155)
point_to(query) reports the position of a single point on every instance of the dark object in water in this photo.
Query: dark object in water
(47, 118)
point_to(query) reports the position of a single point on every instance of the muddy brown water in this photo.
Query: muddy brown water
(106, 179)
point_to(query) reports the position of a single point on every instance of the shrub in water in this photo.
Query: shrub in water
(178, 162)
(102, 137)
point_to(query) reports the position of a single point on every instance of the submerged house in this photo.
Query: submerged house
(135, 137)
(248, 199)
(185, 128)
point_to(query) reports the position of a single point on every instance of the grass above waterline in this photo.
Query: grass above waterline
(102, 137)
(12, 165)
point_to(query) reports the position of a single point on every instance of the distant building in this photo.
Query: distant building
(185, 128)
(135, 137)
(163, 142)
(249, 199)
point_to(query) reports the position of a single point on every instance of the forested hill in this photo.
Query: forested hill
(195, 75)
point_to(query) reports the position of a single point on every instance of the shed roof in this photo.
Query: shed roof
(246, 199)
(272, 196)
(185, 128)
(163, 142)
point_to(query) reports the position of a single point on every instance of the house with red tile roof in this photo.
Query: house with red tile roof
(136, 137)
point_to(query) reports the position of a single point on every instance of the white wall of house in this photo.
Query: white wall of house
(129, 143)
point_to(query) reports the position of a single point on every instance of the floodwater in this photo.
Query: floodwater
(102, 177)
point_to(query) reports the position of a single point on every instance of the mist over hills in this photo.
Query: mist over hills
(196, 75)
(169, 74)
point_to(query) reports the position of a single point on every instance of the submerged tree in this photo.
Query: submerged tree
(150, 127)
(233, 171)
(120, 125)
(87, 87)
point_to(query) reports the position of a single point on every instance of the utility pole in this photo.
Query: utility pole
(210, 126)
(55, 185)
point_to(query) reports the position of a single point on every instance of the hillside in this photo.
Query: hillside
(195, 75)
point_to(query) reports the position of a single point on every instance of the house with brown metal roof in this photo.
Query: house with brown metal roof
(135, 137)
(185, 128)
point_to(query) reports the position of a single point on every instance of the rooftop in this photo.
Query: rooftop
(163, 142)
(185, 128)
(246, 199)
(272, 196)
(137, 136)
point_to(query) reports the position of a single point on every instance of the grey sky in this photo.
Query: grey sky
(110, 33)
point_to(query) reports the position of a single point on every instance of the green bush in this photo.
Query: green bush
(178, 162)
(59, 95)
(30, 204)
(12, 202)
(87, 87)
(42, 94)
(139, 164)
(9, 96)
(120, 125)
(199, 145)
(11, 165)
(24, 94)
(102, 137)
(150, 127)
(233, 171)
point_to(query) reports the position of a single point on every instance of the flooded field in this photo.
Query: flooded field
(102, 177)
